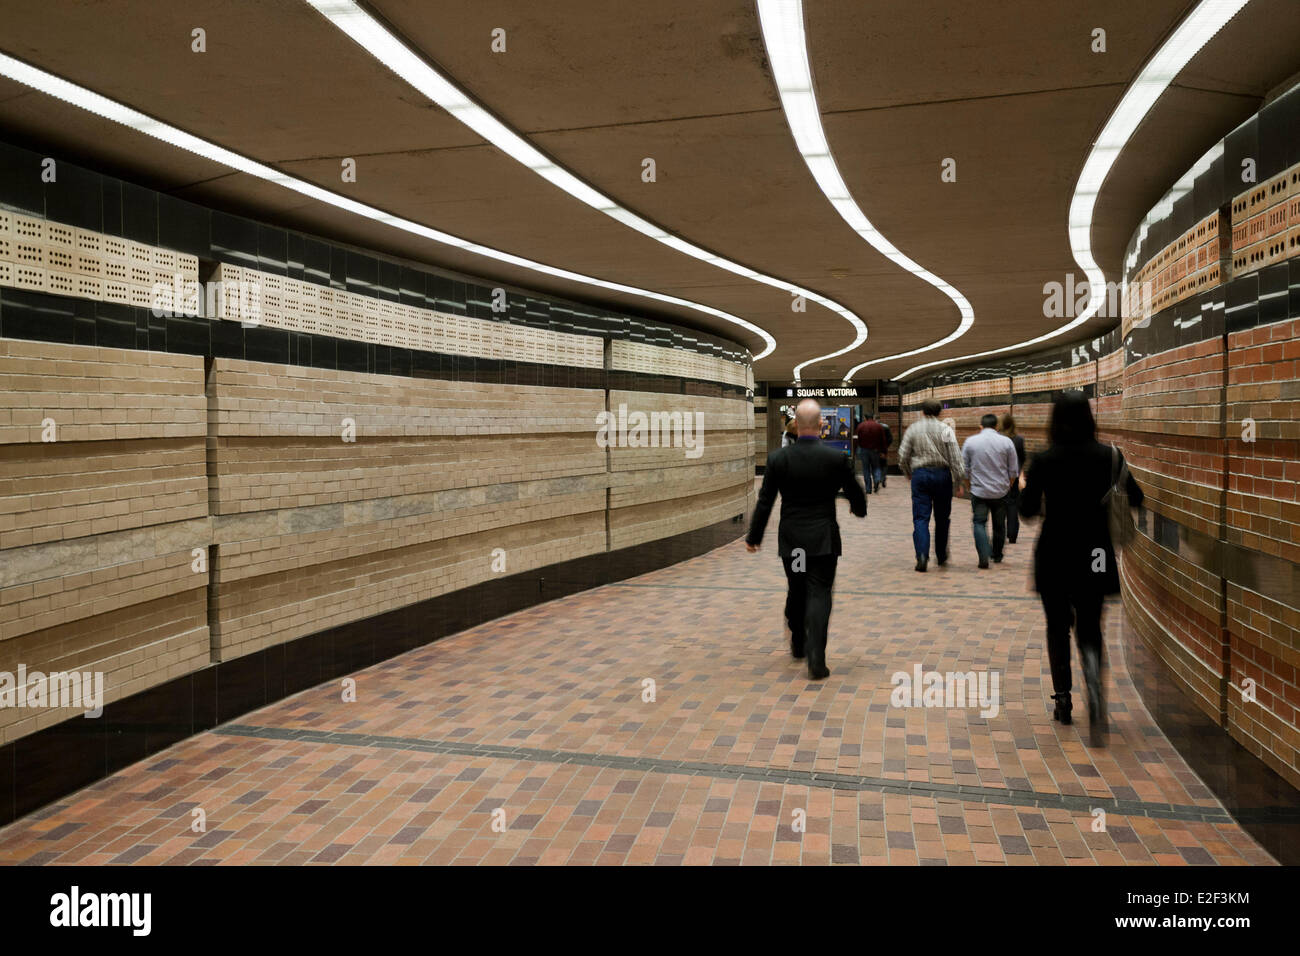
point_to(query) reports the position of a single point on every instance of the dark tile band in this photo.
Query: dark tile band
(815, 779)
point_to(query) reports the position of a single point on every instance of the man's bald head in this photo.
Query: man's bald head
(808, 417)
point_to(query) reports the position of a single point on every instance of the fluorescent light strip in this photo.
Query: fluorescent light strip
(93, 102)
(1194, 32)
(787, 51)
(392, 53)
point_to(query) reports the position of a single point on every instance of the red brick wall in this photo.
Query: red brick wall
(1206, 586)
(1263, 516)
(1211, 430)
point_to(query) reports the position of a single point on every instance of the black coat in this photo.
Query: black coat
(1019, 443)
(1067, 483)
(808, 475)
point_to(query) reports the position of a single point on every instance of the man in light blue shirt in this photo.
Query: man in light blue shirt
(992, 468)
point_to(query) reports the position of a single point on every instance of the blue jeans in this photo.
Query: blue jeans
(873, 472)
(980, 509)
(931, 490)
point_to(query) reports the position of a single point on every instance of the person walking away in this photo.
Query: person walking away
(1074, 558)
(808, 476)
(1013, 496)
(884, 454)
(992, 469)
(871, 451)
(930, 458)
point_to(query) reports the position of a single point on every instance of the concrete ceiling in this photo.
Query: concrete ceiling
(1010, 90)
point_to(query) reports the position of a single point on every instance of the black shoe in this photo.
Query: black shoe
(921, 563)
(817, 669)
(997, 559)
(1011, 540)
(1097, 720)
(942, 559)
(984, 562)
(1063, 707)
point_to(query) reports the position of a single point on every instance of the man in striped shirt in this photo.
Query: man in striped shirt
(929, 456)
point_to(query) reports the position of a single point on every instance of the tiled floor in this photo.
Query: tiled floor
(536, 739)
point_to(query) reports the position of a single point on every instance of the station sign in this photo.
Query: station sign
(796, 392)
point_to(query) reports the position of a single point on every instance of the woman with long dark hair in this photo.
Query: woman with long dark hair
(1074, 560)
(1013, 496)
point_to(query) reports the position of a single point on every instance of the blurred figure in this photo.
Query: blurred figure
(884, 455)
(790, 434)
(1013, 496)
(808, 475)
(992, 469)
(929, 456)
(1074, 560)
(871, 452)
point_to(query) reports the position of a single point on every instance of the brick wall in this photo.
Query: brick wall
(1203, 395)
(1209, 421)
(313, 530)
(760, 431)
(172, 518)
(657, 492)
(102, 502)
(1263, 517)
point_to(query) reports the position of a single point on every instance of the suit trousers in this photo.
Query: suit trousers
(808, 600)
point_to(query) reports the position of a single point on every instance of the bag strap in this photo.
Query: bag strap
(1114, 476)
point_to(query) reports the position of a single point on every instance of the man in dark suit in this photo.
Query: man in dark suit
(808, 476)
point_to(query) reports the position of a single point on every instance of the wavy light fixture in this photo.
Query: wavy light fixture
(100, 105)
(1194, 32)
(787, 51)
(393, 53)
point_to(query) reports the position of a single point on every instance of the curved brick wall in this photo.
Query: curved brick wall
(203, 505)
(1200, 386)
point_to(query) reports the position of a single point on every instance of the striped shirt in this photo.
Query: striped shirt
(928, 443)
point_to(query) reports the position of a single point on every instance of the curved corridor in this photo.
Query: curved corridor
(530, 739)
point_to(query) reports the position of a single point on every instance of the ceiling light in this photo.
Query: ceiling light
(787, 52)
(1194, 32)
(100, 105)
(376, 40)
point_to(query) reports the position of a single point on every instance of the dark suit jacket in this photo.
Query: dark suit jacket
(1069, 483)
(808, 475)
